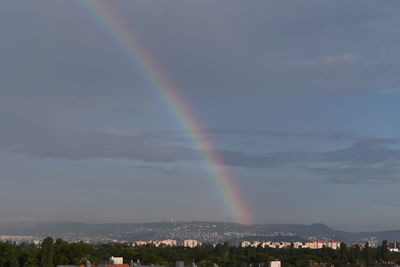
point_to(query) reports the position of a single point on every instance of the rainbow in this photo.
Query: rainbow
(139, 58)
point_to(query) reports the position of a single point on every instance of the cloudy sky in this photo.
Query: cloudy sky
(300, 98)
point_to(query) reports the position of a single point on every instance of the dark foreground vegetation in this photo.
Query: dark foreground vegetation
(51, 254)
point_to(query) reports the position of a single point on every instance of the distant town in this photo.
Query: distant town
(191, 243)
(173, 233)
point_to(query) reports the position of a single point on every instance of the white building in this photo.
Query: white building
(245, 244)
(190, 243)
(328, 244)
(141, 243)
(116, 260)
(276, 244)
(274, 264)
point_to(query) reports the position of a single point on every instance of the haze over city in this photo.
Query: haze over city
(240, 111)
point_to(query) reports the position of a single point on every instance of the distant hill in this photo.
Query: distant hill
(314, 231)
(202, 231)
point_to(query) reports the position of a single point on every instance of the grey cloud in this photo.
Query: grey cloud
(145, 148)
(88, 145)
(269, 160)
(366, 161)
(346, 173)
(335, 136)
(151, 147)
(365, 152)
(158, 169)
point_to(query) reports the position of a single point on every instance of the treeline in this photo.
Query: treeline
(52, 253)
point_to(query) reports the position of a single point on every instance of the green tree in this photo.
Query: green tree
(47, 253)
(343, 257)
(367, 254)
(31, 257)
(384, 251)
(14, 262)
(2, 261)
